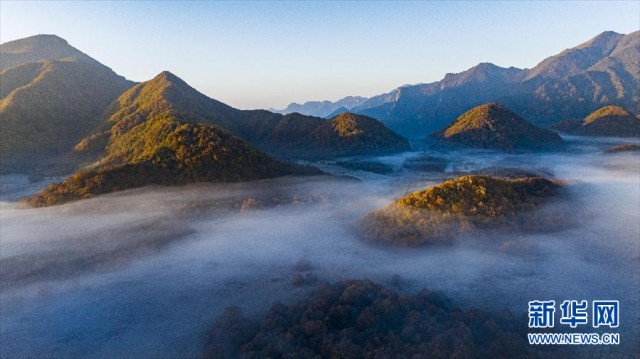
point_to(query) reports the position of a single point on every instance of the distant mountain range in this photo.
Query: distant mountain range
(602, 71)
(323, 108)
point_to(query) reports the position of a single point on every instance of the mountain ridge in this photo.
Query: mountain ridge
(288, 135)
(571, 84)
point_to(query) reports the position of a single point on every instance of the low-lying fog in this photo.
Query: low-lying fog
(145, 273)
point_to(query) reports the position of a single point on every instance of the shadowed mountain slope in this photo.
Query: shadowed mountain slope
(348, 134)
(421, 109)
(603, 71)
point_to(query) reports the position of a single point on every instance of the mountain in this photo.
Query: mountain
(322, 108)
(493, 126)
(348, 135)
(168, 149)
(293, 135)
(609, 121)
(46, 107)
(437, 214)
(164, 132)
(421, 109)
(601, 72)
(572, 61)
(572, 84)
(40, 47)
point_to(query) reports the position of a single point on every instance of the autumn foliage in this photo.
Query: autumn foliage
(439, 213)
(166, 151)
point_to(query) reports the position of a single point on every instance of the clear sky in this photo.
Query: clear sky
(267, 54)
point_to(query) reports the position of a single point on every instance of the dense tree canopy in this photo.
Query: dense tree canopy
(362, 319)
(439, 213)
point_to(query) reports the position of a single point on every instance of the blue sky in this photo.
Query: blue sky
(267, 54)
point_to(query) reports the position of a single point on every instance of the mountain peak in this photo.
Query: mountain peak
(607, 111)
(486, 65)
(605, 40)
(28, 43)
(494, 106)
(168, 77)
(41, 47)
(51, 38)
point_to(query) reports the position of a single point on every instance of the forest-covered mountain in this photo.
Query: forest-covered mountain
(322, 108)
(602, 71)
(439, 213)
(163, 132)
(493, 126)
(51, 97)
(293, 135)
(612, 121)
(168, 149)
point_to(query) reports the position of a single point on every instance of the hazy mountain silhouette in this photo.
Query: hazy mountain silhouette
(322, 108)
(338, 111)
